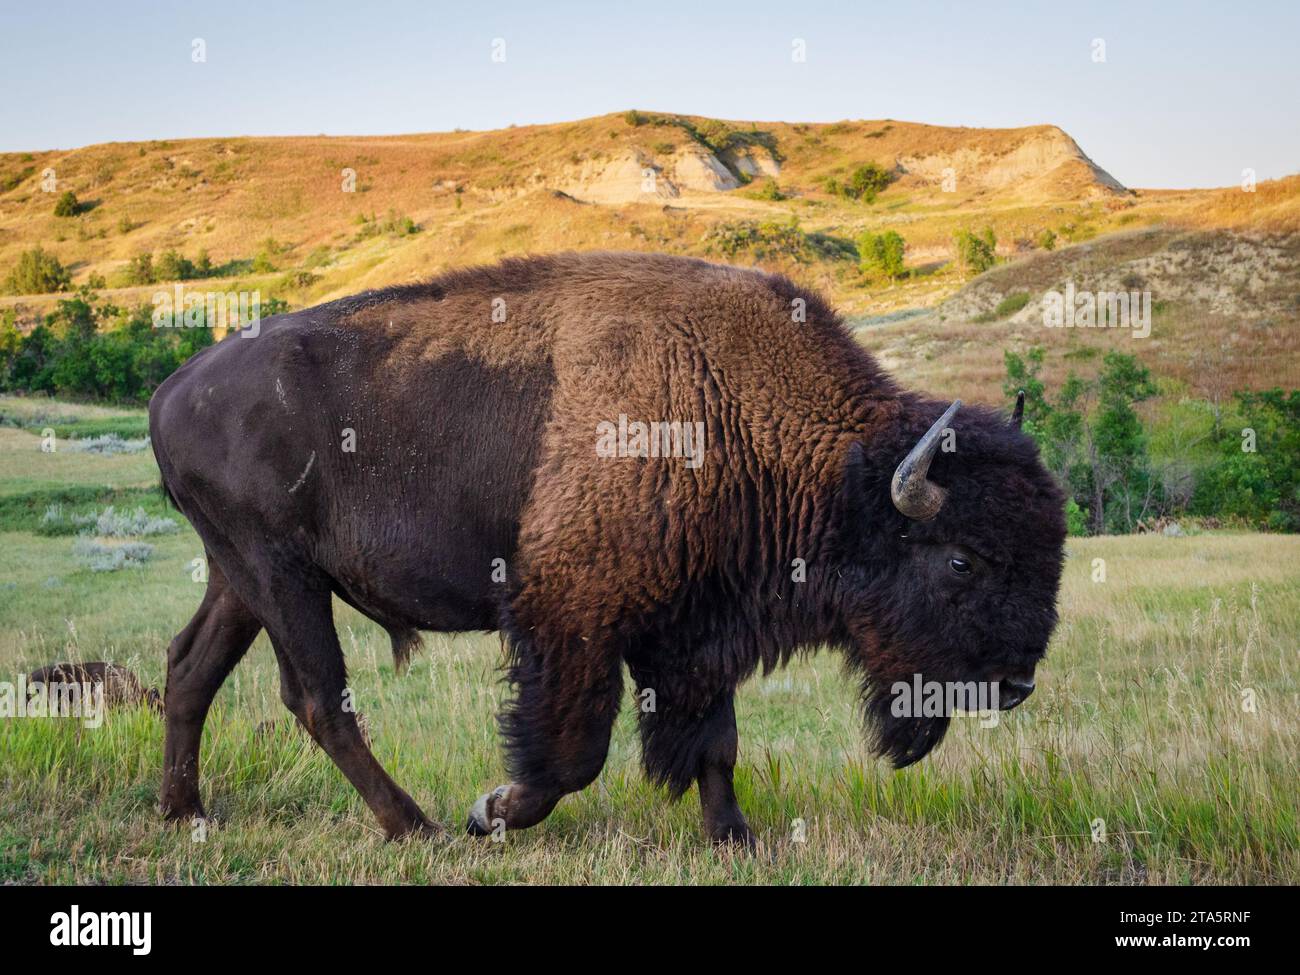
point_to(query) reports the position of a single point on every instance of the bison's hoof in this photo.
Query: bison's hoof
(735, 838)
(425, 829)
(182, 813)
(484, 815)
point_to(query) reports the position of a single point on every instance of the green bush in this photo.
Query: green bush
(37, 273)
(768, 190)
(1255, 473)
(863, 183)
(1009, 305)
(976, 253)
(90, 350)
(882, 254)
(1119, 469)
(776, 240)
(67, 205)
(1076, 521)
(172, 266)
(139, 270)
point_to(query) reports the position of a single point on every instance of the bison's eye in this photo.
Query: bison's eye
(959, 565)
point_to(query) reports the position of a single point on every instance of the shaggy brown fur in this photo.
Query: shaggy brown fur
(474, 498)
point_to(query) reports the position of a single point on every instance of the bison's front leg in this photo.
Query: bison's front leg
(556, 732)
(689, 737)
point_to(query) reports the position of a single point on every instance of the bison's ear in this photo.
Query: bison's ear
(1018, 414)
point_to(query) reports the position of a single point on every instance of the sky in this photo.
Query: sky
(1186, 95)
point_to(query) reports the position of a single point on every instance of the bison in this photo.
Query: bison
(685, 468)
(122, 688)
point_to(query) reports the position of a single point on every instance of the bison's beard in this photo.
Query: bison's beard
(902, 740)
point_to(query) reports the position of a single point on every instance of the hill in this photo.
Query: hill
(308, 219)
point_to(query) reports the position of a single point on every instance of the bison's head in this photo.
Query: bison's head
(952, 561)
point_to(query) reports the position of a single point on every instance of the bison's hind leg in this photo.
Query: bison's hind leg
(198, 662)
(313, 686)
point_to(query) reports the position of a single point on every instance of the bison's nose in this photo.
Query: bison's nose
(1013, 691)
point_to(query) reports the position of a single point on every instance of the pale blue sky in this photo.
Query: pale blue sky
(1190, 94)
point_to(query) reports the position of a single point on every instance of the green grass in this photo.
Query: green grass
(1008, 306)
(1138, 722)
(69, 420)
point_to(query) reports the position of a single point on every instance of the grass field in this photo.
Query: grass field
(1167, 714)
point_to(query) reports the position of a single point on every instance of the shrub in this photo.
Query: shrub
(172, 266)
(319, 257)
(882, 254)
(37, 273)
(863, 183)
(773, 240)
(101, 557)
(88, 349)
(1260, 486)
(295, 280)
(67, 205)
(768, 190)
(111, 523)
(976, 253)
(1076, 520)
(11, 181)
(1047, 240)
(1009, 305)
(107, 444)
(139, 270)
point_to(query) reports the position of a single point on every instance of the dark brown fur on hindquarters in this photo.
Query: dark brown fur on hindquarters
(122, 688)
(473, 498)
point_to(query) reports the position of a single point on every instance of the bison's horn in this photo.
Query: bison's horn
(913, 495)
(1018, 413)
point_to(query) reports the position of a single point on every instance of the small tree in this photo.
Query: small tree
(140, 270)
(67, 205)
(1047, 239)
(1092, 437)
(38, 272)
(882, 254)
(976, 253)
(172, 266)
(863, 183)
